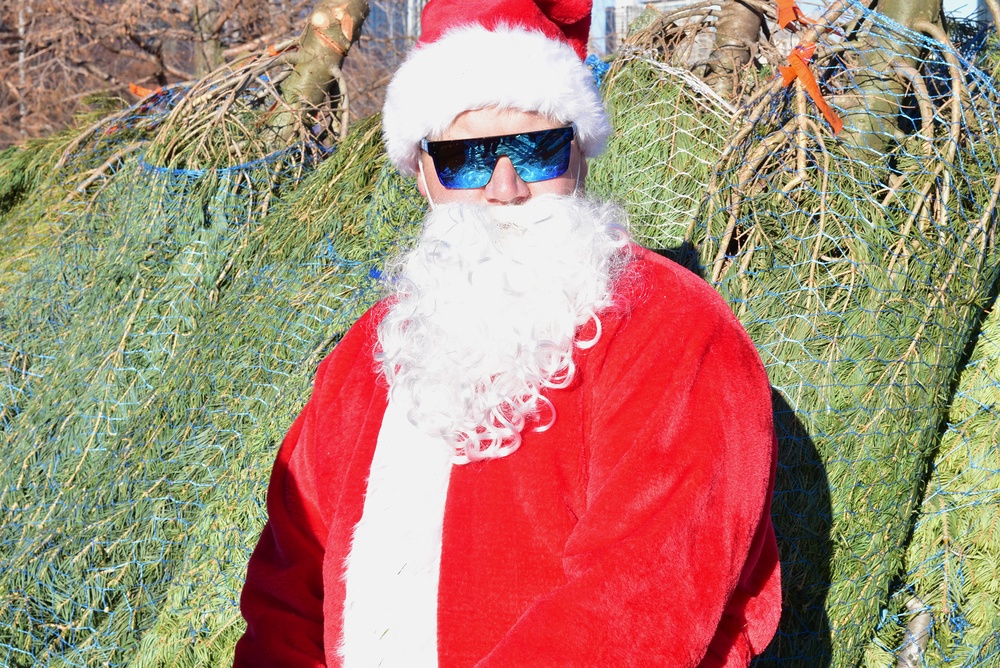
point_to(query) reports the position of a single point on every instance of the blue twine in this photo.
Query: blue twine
(597, 67)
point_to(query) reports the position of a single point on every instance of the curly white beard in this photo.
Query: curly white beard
(486, 315)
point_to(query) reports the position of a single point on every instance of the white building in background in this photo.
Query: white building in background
(610, 19)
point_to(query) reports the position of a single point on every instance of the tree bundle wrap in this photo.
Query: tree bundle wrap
(861, 283)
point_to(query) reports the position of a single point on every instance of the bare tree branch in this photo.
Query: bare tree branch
(52, 49)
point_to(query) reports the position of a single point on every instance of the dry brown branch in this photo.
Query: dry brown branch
(923, 101)
(917, 633)
(994, 8)
(91, 45)
(95, 174)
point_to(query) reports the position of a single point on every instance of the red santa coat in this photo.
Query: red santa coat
(634, 532)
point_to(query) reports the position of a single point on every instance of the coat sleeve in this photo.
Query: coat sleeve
(677, 519)
(282, 598)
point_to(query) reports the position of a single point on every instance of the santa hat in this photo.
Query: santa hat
(510, 54)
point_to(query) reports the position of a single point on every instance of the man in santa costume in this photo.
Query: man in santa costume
(546, 446)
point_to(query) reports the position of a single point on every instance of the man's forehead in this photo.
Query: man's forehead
(493, 121)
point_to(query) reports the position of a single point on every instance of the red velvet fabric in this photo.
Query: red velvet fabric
(563, 20)
(635, 532)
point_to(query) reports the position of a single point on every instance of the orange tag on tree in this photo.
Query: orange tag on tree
(788, 12)
(798, 68)
(141, 91)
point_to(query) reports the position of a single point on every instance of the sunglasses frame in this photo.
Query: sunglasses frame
(479, 157)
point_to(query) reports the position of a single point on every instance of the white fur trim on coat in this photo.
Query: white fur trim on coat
(475, 68)
(391, 574)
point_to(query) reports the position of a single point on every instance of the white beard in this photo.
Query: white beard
(486, 315)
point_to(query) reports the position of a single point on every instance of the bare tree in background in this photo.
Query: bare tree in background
(61, 57)
(206, 17)
(57, 56)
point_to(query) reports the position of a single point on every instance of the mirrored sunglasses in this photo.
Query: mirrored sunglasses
(469, 163)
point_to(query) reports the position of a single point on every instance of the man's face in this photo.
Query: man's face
(505, 186)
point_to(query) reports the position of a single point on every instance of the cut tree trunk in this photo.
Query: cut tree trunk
(736, 33)
(333, 27)
(871, 112)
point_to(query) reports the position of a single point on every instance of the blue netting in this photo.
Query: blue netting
(155, 350)
(860, 268)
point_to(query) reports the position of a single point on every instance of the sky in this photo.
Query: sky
(960, 7)
(963, 8)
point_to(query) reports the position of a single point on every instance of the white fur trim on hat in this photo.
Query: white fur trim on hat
(474, 68)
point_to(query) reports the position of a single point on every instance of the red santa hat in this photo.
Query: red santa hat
(510, 54)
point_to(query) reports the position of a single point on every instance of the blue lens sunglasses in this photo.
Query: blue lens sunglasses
(462, 164)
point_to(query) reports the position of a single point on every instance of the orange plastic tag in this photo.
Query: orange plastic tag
(788, 12)
(798, 68)
(141, 91)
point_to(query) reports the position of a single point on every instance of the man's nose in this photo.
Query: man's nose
(505, 186)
